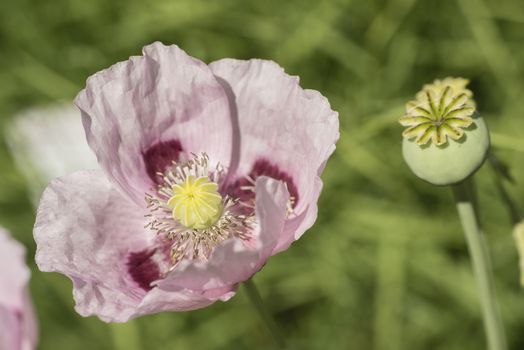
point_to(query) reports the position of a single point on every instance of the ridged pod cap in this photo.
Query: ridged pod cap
(446, 140)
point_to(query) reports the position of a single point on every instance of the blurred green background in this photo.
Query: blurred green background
(386, 265)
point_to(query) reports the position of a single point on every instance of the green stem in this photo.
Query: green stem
(126, 336)
(388, 328)
(465, 200)
(256, 300)
(501, 172)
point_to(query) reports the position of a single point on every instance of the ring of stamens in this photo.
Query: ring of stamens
(188, 210)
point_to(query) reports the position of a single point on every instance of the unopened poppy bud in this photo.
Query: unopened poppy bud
(446, 140)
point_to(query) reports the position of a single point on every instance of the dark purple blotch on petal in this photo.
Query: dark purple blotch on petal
(143, 268)
(160, 156)
(262, 167)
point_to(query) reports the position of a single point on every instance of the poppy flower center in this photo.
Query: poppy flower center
(189, 212)
(196, 202)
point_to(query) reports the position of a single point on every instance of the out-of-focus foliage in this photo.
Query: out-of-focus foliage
(386, 266)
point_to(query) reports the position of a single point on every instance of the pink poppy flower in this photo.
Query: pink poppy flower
(18, 329)
(206, 172)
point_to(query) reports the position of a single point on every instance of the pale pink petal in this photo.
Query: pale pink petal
(233, 262)
(163, 298)
(85, 229)
(15, 274)
(141, 114)
(10, 330)
(30, 339)
(285, 132)
(88, 231)
(95, 299)
(18, 329)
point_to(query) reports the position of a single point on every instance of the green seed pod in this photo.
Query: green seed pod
(446, 141)
(452, 162)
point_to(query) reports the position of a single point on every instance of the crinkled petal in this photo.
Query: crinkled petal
(95, 299)
(281, 123)
(87, 230)
(233, 262)
(168, 298)
(140, 114)
(18, 329)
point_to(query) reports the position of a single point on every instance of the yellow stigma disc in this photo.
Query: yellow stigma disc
(196, 203)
